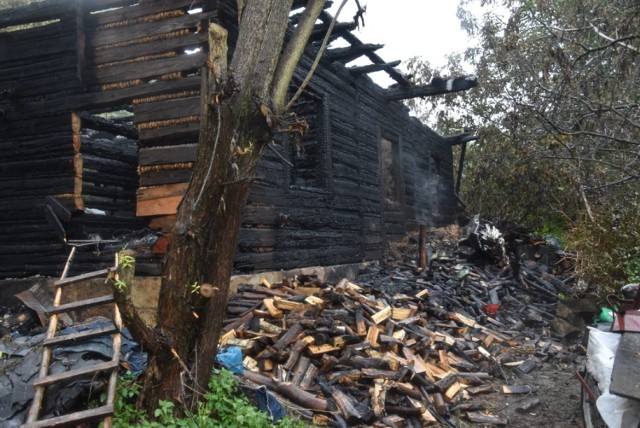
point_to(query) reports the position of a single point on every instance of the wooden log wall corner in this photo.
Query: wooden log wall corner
(318, 197)
(74, 75)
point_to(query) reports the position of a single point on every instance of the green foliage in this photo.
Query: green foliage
(633, 270)
(608, 250)
(558, 117)
(127, 392)
(195, 288)
(126, 261)
(120, 285)
(224, 406)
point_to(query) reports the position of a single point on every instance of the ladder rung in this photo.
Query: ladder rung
(80, 304)
(80, 336)
(73, 418)
(84, 276)
(73, 374)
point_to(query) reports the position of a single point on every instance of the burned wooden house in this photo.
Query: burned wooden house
(99, 120)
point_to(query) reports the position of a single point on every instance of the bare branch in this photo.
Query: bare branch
(289, 60)
(618, 41)
(317, 60)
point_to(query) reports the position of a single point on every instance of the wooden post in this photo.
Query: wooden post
(422, 242)
(463, 150)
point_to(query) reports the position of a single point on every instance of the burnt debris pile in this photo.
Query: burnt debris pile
(400, 347)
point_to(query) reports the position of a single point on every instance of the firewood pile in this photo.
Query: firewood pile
(395, 347)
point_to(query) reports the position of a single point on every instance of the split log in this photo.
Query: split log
(302, 397)
(347, 407)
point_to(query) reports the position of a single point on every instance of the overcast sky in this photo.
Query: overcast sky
(408, 28)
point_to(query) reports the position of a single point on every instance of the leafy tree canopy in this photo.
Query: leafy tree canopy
(558, 114)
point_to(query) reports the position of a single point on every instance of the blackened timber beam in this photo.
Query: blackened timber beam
(34, 12)
(100, 124)
(320, 30)
(351, 52)
(464, 137)
(373, 57)
(438, 86)
(372, 68)
(106, 99)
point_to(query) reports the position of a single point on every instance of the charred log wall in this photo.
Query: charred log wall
(319, 197)
(68, 172)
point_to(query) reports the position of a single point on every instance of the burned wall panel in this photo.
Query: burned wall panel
(318, 197)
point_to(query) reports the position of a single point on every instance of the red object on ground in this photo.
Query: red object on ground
(491, 309)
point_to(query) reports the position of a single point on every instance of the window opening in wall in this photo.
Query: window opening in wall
(389, 156)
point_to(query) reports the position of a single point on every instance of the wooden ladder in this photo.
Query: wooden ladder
(104, 412)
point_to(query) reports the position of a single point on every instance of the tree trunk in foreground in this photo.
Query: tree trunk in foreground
(236, 123)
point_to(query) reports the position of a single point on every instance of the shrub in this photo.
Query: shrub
(222, 406)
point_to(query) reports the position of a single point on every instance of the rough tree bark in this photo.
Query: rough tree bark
(240, 112)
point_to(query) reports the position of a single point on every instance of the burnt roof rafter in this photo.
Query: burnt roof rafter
(372, 68)
(350, 53)
(320, 30)
(438, 86)
(373, 57)
(404, 89)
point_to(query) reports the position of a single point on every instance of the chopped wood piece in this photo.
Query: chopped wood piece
(361, 328)
(270, 328)
(378, 398)
(321, 420)
(369, 363)
(372, 336)
(311, 291)
(481, 418)
(347, 407)
(517, 389)
(452, 391)
(528, 406)
(323, 349)
(423, 294)
(408, 390)
(381, 315)
(328, 363)
(380, 374)
(288, 337)
(226, 336)
(401, 313)
(309, 376)
(439, 404)
(405, 411)
(301, 368)
(294, 354)
(315, 301)
(250, 364)
(482, 389)
(301, 397)
(448, 380)
(289, 305)
(273, 311)
(419, 365)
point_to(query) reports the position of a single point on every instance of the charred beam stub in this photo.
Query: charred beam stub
(372, 68)
(438, 86)
(458, 139)
(339, 29)
(351, 53)
(98, 123)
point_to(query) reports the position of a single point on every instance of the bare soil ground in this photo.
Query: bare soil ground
(558, 392)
